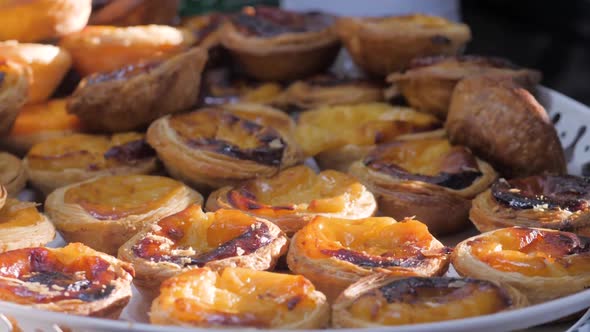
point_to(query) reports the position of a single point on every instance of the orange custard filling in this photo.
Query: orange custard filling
(18, 214)
(45, 117)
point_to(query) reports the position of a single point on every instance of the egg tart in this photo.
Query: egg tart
(339, 135)
(334, 253)
(206, 28)
(14, 82)
(74, 280)
(294, 196)
(192, 238)
(105, 212)
(384, 300)
(132, 97)
(66, 160)
(482, 116)
(37, 20)
(126, 13)
(272, 44)
(103, 49)
(428, 83)
(543, 264)
(383, 45)
(12, 174)
(21, 226)
(240, 298)
(427, 178)
(215, 147)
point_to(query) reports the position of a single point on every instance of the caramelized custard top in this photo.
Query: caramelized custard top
(15, 213)
(49, 116)
(270, 21)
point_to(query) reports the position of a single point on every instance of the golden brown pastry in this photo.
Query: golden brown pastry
(543, 264)
(216, 147)
(74, 280)
(37, 20)
(61, 161)
(12, 174)
(427, 178)
(295, 196)
(133, 12)
(132, 97)
(503, 123)
(207, 29)
(192, 238)
(544, 201)
(105, 212)
(240, 298)
(271, 44)
(383, 45)
(21, 226)
(334, 253)
(103, 49)
(14, 82)
(428, 83)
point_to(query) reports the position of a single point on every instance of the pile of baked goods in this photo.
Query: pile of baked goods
(181, 157)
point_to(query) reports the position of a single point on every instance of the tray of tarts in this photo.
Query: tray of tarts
(211, 172)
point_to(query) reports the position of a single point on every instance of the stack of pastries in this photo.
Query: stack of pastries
(219, 166)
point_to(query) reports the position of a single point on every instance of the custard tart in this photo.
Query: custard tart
(384, 300)
(192, 238)
(294, 196)
(105, 212)
(428, 83)
(136, 12)
(61, 161)
(12, 174)
(21, 226)
(272, 44)
(544, 201)
(427, 178)
(543, 264)
(132, 97)
(216, 147)
(240, 298)
(14, 87)
(383, 45)
(502, 122)
(74, 280)
(334, 253)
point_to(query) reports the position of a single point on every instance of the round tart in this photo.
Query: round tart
(215, 147)
(428, 83)
(384, 45)
(482, 116)
(427, 178)
(544, 201)
(126, 13)
(385, 300)
(12, 174)
(36, 20)
(14, 82)
(295, 196)
(271, 44)
(192, 238)
(105, 212)
(62, 161)
(237, 297)
(74, 280)
(334, 253)
(543, 264)
(21, 226)
(105, 48)
(132, 97)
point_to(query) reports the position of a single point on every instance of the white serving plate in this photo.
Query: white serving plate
(571, 119)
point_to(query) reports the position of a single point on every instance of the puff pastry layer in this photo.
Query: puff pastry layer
(12, 174)
(21, 226)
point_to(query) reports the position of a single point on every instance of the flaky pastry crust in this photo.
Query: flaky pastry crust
(23, 226)
(12, 174)
(14, 87)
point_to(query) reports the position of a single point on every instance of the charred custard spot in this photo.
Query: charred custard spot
(2, 76)
(455, 181)
(440, 40)
(130, 152)
(237, 320)
(123, 73)
(243, 199)
(269, 22)
(292, 302)
(367, 261)
(491, 62)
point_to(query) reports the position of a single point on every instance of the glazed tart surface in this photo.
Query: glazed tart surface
(21, 225)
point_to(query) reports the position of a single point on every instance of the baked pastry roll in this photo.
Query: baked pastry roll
(192, 238)
(216, 147)
(37, 20)
(132, 97)
(482, 116)
(427, 178)
(340, 135)
(543, 264)
(544, 201)
(14, 82)
(103, 49)
(74, 280)
(295, 196)
(12, 174)
(105, 212)
(334, 253)
(271, 44)
(23, 226)
(238, 297)
(126, 13)
(387, 44)
(428, 83)
(61, 161)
